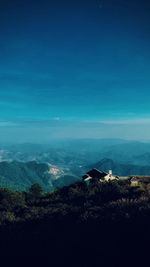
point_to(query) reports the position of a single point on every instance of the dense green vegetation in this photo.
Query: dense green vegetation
(114, 201)
(91, 220)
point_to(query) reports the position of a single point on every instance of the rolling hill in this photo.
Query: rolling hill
(121, 169)
(21, 175)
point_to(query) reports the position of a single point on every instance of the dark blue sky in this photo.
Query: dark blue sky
(74, 61)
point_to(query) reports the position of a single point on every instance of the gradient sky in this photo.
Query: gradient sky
(70, 65)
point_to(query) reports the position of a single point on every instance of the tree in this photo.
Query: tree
(11, 199)
(36, 191)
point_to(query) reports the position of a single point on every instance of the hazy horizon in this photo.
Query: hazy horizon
(41, 132)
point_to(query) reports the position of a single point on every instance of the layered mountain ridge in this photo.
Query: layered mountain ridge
(64, 162)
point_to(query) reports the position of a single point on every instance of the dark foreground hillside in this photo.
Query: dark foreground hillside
(103, 224)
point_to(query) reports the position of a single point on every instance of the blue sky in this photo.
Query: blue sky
(74, 64)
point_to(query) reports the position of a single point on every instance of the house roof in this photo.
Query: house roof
(85, 176)
(94, 173)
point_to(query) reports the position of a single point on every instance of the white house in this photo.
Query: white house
(95, 174)
(110, 176)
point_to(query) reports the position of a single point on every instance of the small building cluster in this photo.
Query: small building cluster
(95, 175)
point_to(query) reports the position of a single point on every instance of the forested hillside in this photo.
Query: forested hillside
(21, 175)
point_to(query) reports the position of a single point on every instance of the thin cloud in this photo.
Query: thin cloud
(7, 124)
(139, 121)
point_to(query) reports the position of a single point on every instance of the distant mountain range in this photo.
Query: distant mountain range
(79, 152)
(23, 164)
